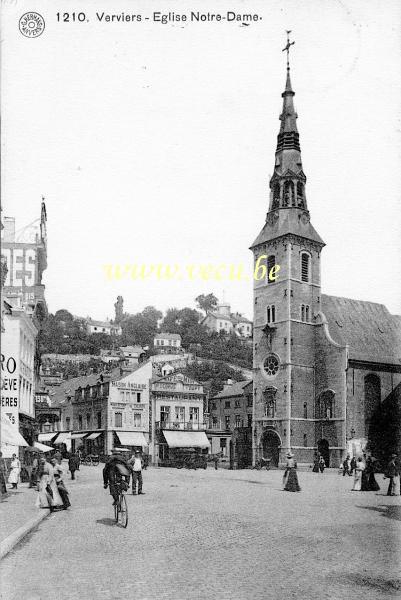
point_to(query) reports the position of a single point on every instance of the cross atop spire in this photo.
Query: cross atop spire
(288, 47)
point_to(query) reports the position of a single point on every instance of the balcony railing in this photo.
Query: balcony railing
(182, 425)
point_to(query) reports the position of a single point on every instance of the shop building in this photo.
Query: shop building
(177, 417)
(230, 423)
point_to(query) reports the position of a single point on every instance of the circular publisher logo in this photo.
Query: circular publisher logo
(32, 24)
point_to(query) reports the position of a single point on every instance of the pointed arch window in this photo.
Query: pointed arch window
(305, 313)
(276, 196)
(300, 194)
(288, 193)
(271, 313)
(305, 267)
(271, 262)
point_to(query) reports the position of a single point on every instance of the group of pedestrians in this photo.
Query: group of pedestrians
(52, 492)
(319, 463)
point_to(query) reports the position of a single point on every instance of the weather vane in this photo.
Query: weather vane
(287, 48)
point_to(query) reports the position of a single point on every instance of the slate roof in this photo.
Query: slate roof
(167, 336)
(132, 349)
(288, 221)
(371, 331)
(236, 389)
(69, 386)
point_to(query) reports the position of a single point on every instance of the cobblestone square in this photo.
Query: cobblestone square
(213, 534)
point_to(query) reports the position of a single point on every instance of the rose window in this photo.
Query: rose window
(271, 365)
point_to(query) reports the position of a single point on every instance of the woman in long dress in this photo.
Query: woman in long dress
(15, 466)
(49, 496)
(359, 468)
(290, 479)
(370, 473)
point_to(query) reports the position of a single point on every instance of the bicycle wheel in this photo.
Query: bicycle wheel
(123, 511)
(116, 510)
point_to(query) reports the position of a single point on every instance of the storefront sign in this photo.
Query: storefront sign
(10, 387)
(127, 385)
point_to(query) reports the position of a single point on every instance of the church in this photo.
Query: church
(323, 365)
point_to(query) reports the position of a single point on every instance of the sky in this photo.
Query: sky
(153, 144)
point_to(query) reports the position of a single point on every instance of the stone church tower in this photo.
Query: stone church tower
(286, 299)
(325, 367)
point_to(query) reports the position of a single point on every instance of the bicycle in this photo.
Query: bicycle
(121, 507)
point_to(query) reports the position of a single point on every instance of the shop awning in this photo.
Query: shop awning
(77, 436)
(10, 435)
(186, 439)
(62, 437)
(42, 447)
(93, 436)
(47, 437)
(131, 438)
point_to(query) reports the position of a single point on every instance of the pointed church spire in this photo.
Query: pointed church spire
(288, 181)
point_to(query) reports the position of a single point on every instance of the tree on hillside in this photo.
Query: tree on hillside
(214, 374)
(140, 329)
(206, 302)
(180, 320)
(63, 315)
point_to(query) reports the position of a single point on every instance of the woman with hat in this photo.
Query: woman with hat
(290, 479)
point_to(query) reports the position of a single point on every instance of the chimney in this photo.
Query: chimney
(228, 384)
(9, 229)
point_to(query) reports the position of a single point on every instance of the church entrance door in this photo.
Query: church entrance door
(323, 449)
(270, 445)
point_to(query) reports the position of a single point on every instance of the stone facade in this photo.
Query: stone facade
(321, 363)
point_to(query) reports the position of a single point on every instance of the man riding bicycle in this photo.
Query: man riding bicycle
(116, 472)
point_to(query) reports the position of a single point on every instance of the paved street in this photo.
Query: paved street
(213, 534)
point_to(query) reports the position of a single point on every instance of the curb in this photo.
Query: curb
(12, 540)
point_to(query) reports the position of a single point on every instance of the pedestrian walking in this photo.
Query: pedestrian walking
(353, 464)
(393, 474)
(347, 466)
(359, 468)
(3, 474)
(216, 461)
(58, 477)
(373, 486)
(290, 478)
(322, 464)
(315, 463)
(136, 464)
(73, 465)
(33, 479)
(48, 496)
(15, 470)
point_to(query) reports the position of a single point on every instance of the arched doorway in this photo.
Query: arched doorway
(323, 449)
(271, 446)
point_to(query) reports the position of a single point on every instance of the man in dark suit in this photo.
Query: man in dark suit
(116, 471)
(390, 473)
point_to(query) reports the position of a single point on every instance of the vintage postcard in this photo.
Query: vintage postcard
(200, 299)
